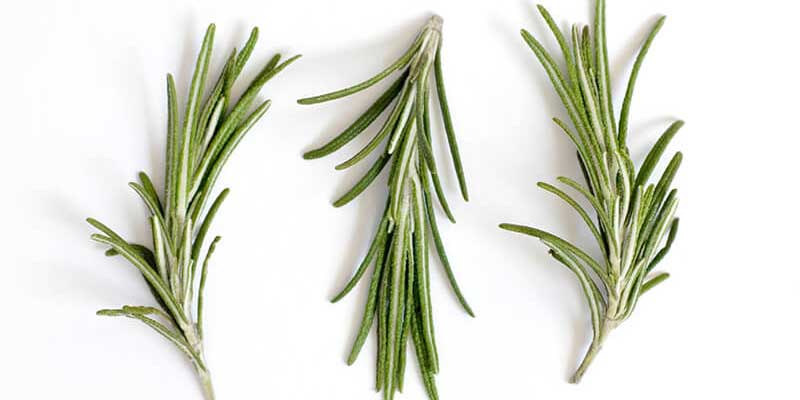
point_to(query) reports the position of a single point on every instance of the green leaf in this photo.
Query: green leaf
(448, 126)
(673, 232)
(369, 308)
(212, 212)
(401, 168)
(562, 89)
(150, 275)
(150, 190)
(233, 122)
(244, 55)
(377, 243)
(408, 293)
(202, 288)
(362, 123)
(606, 223)
(596, 133)
(604, 75)
(215, 168)
(364, 182)
(430, 164)
(563, 245)
(587, 285)
(389, 126)
(173, 148)
(637, 65)
(652, 282)
(656, 231)
(152, 203)
(167, 333)
(577, 207)
(439, 244)
(103, 228)
(160, 249)
(423, 281)
(562, 43)
(195, 94)
(655, 153)
(402, 61)
(660, 192)
(216, 103)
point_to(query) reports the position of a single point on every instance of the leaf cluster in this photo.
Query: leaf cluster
(197, 149)
(399, 301)
(633, 221)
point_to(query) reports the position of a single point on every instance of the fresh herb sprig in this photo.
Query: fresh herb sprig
(399, 292)
(633, 218)
(197, 150)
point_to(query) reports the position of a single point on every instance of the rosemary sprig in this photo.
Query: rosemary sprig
(399, 292)
(633, 217)
(197, 151)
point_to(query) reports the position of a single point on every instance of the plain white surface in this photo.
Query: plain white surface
(83, 110)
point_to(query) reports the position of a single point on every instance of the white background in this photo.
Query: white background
(83, 109)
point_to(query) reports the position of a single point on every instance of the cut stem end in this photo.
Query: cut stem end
(587, 361)
(205, 382)
(594, 349)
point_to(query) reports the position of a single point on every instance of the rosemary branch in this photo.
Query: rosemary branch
(633, 217)
(399, 292)
(197, 151)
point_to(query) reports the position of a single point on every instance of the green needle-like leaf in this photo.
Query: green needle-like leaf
(360, 124)
(655, 153)
(637, 65)
(364, 182)
(448, 126)
(377, 242)
(400, 63)
(654, 281)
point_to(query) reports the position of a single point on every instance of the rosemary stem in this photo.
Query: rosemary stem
(594, 348)
(205, 382)
(196, 346)
(597, 344)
